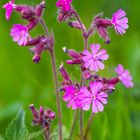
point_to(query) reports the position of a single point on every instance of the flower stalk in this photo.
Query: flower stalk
(54, 69)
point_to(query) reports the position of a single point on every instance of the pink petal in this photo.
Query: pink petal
(87, 105)
(94, 107)
(121, 13)
(99, 106)
(95, 48)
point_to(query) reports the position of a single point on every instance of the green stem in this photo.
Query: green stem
(57, 93)
(88, 126)
(53, 60)
(73, 123)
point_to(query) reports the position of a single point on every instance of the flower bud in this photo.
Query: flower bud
(34, 111)
(104, 34)
(33, 42)
(41, 112)
(64, 16)
(76, 24)
(36, 58)
(39, 8)
(49, 114)
(32, 24)
(72, 53)
(64, 73)
(75, 61)
(113, 81)
(26, 12)
(101, 26)
(87, 75)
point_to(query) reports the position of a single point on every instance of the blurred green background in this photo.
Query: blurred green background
(22, 82)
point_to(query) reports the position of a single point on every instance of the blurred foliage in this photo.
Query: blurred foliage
(22, 82)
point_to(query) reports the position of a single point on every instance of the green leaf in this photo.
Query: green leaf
(17, 129)
(35, 135)
(2, 138)
(55, 136)
(9, 110)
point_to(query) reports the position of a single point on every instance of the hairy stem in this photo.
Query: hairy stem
(88, 126)
(85, 36)
(73, 123)
(80, 21)
(81, 122)
(55, 81)
(85, 42)
(57, 93)
(42, 22)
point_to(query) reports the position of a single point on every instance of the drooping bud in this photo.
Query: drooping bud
(76, 24)
(104, 34)
(36, 58)
(64, 16)
(101, 25)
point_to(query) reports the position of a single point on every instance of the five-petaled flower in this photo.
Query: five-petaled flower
(9, 9)
(70, 96)
(65, 5)
(92, 96)
(19, 33)
(124, 76)
(93, 60)
(120, 22)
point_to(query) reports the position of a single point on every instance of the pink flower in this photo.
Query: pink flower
(19, 33)
(93, 60)
(9, 8)
(94, 97)
(70, 96)
(120, 22)
(124, 76)
(64, 4)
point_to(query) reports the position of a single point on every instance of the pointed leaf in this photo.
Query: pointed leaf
(17, 129)
(35, 135)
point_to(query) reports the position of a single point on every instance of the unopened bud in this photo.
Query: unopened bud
(75, 61)
(39, 8)
(72, 53)
(32, 24)
(49, 114)
(64, 73)
(36, 58)
(113, 81)
(104, 34)
(76, 24)
(34, 111)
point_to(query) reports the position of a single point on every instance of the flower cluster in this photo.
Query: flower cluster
(93, 90)
(20, 33)
(42, 117)
(97, 90)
